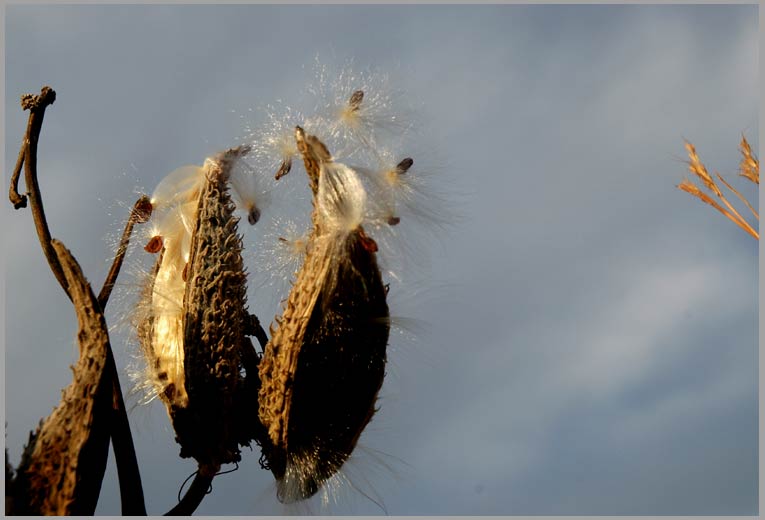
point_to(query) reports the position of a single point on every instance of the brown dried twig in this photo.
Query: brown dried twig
(129, 476)
(28, 158)
(138, 215)
(749, 169)
(200, 486)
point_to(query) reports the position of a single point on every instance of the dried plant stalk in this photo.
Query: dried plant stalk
(740, 197)
(131, 492)
(749, 168)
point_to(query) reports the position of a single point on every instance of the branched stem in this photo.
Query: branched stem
(131, 490)
(36, 106)
(18, 201)
(128, 474)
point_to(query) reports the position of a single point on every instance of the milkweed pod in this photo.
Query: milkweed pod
(194, 330)
(325, 363)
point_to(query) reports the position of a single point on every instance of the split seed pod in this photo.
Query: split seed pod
(193, 331)
(325, 363)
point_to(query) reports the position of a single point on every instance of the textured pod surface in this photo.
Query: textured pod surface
(63, 464)
(214, 308)
(324, 366)
(325, 363)
(193, 332)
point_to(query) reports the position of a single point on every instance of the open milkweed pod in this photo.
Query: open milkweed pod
(325, 363)
(193, 327)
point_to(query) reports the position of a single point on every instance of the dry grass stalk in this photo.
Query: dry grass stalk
(749, 168)
(741, 197)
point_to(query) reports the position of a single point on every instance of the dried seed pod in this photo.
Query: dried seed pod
(325, 362)
(194, 329)
(62, 465)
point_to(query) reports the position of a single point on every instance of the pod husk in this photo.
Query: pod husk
(213, 317)
(325, 363)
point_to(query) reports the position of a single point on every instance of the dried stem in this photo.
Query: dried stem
(18, 201)
(196, 493)
(128, 474)
(742, 223)
(689, 187)
(254, 328)
(131, 490)
(36, 106)
(139, 214)
(741, 197)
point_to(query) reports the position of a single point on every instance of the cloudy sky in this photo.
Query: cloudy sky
(580, 339)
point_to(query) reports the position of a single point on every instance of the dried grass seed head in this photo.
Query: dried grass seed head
(750, 165)
(696, 167)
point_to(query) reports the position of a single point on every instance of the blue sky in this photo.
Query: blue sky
(582, 339)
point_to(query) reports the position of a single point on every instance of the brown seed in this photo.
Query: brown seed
(368, 243)
(355, 100)
(284, 169)
(404, 165)
(154, 245)
(253, 216)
